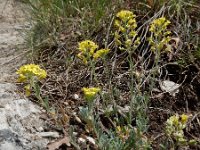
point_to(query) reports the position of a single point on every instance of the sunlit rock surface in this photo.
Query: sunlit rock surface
(20, 122)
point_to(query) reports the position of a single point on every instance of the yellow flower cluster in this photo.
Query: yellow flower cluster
(90, 93)
(159, 25)
(176, 120)
(175, 125)
(27, 89)
(29, 71)
(125, 21)
(87, 46)
(100, 53)
(88, 51)
(125, 15)
(160, 35)
(125, 24)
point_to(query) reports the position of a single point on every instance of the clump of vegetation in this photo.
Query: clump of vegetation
(30, 75)
(108, 88)
(174, 130)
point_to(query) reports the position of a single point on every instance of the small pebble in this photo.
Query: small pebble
(48, 134)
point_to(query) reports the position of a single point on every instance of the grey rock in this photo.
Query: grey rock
(19, 117)
(9, 146)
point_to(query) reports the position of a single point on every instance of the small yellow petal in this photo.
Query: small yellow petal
(90, 93)
(27, 90)
(101, 53)
(28, 71)
(184, 118)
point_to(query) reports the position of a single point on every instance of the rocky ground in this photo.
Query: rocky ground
(20, 123)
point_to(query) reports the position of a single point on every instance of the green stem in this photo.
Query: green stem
(157, 57)
(36, 89)
(93, 75)
(133, 103)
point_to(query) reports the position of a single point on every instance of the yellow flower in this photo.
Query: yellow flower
(132, 33)
(118, 128)
(160, 35)
(173, 120)
(184, 118)
(126, 25)
(159, 24)
(137, 42)
(82, 57)
(116, 38)
(100, 53)
(125, 15)
(27, 90)
(128, 43)
(88, 47)
(132, 22)
(22, 78)
(125, 21)
(117, 23)
(88, 53)
(174, 127)
(29, 71)
(90, 93)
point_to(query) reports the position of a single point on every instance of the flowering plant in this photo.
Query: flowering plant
(160, 36)
(174, 128)
(30, 71)
(89, 52)
(31, 74)
(90, 93)
(125, 33)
